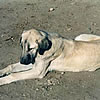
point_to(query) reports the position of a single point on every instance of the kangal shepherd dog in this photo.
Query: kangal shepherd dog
(43, 52)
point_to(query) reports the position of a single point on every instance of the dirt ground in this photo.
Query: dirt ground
(69, 18)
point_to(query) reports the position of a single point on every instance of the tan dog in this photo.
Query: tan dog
(43, 52)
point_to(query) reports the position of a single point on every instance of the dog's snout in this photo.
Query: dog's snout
(25, 59)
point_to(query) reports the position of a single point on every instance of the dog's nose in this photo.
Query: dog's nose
(25, 59)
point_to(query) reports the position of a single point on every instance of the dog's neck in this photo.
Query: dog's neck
(58, 46)
(55, 50)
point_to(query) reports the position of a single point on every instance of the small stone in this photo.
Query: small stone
(51, 9)
(69, 29)
(49, 82)
(50, 88)
(93, 23)
(62, 73)
(37, 89)
(23, 95)
(2, 35)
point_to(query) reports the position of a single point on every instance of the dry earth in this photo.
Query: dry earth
(69, 18)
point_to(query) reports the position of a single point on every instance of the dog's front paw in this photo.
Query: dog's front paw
(6, 71)
(6, 80)
(2, 74)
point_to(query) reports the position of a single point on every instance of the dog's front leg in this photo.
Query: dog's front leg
(31, 74)
(38, 70)
(15, 68)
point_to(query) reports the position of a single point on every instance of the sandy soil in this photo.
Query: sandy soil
(69, 18)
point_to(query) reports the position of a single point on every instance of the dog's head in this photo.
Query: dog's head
(33, 42)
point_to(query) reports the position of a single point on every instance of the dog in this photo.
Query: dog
(43, 52)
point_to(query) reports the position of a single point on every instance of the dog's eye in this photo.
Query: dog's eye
(29, 49)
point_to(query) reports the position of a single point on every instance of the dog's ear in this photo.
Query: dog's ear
(44, 45)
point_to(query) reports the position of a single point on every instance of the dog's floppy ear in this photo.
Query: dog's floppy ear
(44, 45)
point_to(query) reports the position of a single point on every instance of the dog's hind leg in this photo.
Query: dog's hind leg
(86, 37)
